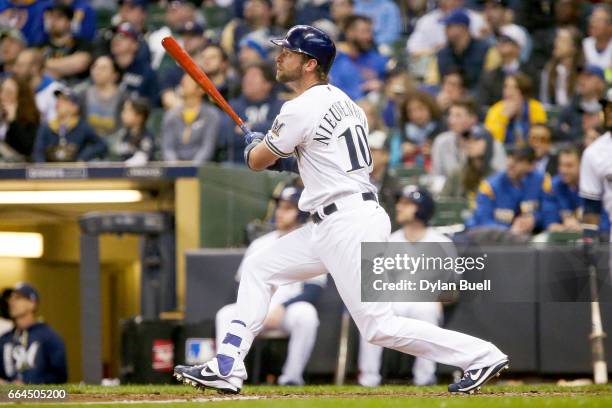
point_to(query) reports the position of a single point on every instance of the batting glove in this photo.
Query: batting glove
(250, 146)
(252, 136)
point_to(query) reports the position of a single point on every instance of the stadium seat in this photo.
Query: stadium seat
(450, 211)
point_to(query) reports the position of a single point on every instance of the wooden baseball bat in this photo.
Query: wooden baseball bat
(188, 64)
(600, 367)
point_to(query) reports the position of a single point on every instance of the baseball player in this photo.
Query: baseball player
(596, 176)
(322, 134)
(414, 209)
(291, 306)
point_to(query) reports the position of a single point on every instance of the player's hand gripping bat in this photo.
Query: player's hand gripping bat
(188, 64)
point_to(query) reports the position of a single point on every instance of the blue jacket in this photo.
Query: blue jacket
(350, 74)
(90, 145)
(386, 17)
(35, 356)
(563, 198)
(139, 77)
(499, 200)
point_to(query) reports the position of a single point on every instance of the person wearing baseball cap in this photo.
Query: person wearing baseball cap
(590, 89)
(510, 43)
(33, 353)
(12, 42)
(68, 137)
(462, 50)
(292, 307)
(414, 209)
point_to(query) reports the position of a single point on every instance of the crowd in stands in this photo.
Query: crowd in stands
(494, 99)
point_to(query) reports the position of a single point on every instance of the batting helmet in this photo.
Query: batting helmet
(310, 41)
(292, 194)
(424, 201)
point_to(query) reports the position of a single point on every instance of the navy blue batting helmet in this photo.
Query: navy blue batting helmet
(312, 42)
(292, 194)
(424, 201)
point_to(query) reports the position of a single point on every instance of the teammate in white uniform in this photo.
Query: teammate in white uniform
(414, 209)
(292, 306)
(326, 133)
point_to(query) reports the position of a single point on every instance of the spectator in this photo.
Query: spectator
(67, 138)
(178, 14)
(385, 15)
(510, 42)
(561, 205)
(540, 140)
(84, 22)
(251, 52)
(452, 89)
(102, 99)
(448, 152)
(66, 57)
(258, 105)
(257, 22)
(414, 209)
(215, 63)
(12, 42)
(598, 46)
(19, 120)
(509, 119)
(462, 51)
(169, 73)
(133, 12)
(559, 77)
(6, 324)
(358, 69)
(284, 14)
(429, 34)
(190, 130)
(29, 67)
(566, 14)
(133, 143)
(397, 85)
(498, 14)
(340, 11)
(292, 306)
(27, 16)
(420, 122)
(509, 200)
(33, 353)
(464, 182)
(589, 90)
(138, 76)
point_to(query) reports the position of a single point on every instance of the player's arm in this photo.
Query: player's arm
(591, 190)
(260, 157)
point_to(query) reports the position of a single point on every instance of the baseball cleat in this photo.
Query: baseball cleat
(472, 380)
(204, 376)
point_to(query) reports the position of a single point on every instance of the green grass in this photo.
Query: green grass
(505, 396)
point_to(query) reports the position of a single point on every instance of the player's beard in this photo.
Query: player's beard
(285, 76)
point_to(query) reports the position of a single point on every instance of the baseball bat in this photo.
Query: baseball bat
(600, 367)
(188, 64)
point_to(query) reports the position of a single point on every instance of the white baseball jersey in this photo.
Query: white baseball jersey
(327, 132)
(284, 292)
(596, 171)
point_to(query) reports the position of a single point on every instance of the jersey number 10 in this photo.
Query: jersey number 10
(364, 149)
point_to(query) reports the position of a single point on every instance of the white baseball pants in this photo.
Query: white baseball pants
(370, 355)
(300, 323)
(334, 245)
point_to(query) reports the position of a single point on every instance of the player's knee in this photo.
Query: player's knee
(252, 266)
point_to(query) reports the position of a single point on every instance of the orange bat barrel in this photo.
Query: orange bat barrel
(188, 64)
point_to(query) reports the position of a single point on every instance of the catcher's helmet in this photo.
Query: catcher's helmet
(424, 201)
(310, 41)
